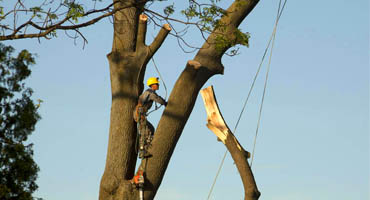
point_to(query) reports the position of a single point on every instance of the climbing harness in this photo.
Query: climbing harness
(141, 113)
(272, 39)
(144, 137)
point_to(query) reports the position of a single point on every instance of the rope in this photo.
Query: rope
(272, 38)
(160, 76)
(240, 116)
(164, 85)
(266, 79)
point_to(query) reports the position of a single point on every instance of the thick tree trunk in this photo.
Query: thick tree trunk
(127, 62)
(124, 70)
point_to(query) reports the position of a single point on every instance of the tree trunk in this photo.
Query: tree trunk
(127, 62)
(124, 70)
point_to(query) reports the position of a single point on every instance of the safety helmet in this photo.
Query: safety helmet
(152, 80)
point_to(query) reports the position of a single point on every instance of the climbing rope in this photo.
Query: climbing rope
(240, 116)
(160, 76)
(164, 85)
(272, 39)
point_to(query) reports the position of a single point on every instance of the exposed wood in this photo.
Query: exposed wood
(194, 64)
(218, 126)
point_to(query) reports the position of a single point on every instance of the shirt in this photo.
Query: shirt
(146, 98)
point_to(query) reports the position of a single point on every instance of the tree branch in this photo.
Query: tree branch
(22, 36)
(219, 127)
(159, 39)
(47, 29)
(210, 54)
(141, 32)
(169, 18)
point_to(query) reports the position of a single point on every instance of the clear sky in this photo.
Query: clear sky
(313, 142)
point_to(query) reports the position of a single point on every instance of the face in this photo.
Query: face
(155, 86)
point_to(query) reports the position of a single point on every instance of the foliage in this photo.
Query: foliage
(208, 19)
(75, 11)
(18, 116)
(238, 38)
(45, 19)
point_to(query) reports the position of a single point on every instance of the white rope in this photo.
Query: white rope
(266, 79)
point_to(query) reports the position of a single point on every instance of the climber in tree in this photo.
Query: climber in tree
(145, 102)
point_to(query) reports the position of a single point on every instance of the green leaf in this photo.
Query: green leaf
(241, 38)
(169, 10)
(75, 11)
(52, 16)
(35, 9)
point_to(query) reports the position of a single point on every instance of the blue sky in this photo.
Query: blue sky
(313, 141)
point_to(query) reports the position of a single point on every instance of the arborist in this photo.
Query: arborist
(145, 102)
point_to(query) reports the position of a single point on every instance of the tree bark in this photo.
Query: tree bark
(127, 61)
(218, 126)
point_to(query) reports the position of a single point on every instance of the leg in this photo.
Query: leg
(142, 130)
(150, 128)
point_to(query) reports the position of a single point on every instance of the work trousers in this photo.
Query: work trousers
(146, 128)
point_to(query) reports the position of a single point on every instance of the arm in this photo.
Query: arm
(155, 97)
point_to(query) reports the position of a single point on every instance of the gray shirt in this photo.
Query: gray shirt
(146, 98)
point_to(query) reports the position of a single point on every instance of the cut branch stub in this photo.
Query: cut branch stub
(218, 126)
(143, 18)
(194, 64)
(141, 32)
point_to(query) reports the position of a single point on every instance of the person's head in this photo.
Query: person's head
(153, 83)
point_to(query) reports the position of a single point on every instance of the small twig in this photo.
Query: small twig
(68, 35)
(83, 37)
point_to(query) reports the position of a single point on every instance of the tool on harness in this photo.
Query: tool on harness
(138, 181)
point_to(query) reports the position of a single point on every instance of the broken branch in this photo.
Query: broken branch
(218, 126)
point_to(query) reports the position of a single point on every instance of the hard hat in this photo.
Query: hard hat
(152, 80)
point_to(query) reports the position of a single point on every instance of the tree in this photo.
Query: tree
(128, 60)
(18, 170)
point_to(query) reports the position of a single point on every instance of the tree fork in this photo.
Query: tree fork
(127, 61)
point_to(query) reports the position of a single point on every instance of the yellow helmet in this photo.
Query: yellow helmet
(152, 80)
